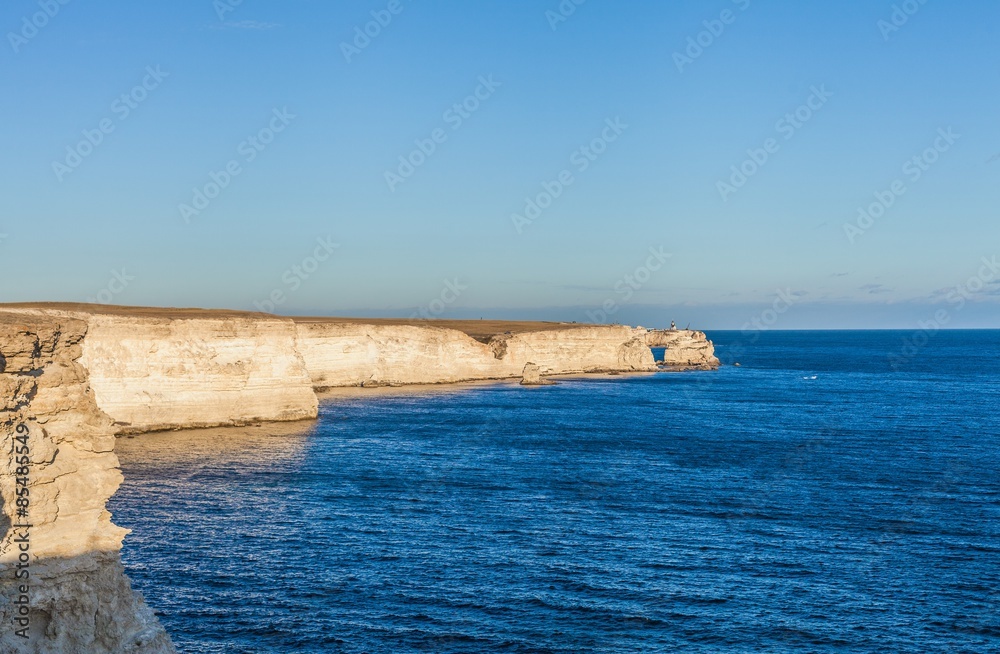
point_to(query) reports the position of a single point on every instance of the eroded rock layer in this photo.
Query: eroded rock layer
(157, 373)
(152, 372)
(350, 354)
(58, 460)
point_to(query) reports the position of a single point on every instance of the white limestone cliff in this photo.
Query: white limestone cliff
(153, 372)
(160, 373)
(66, 565)
(351, 354)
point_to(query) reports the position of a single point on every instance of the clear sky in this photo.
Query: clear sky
(628, 122)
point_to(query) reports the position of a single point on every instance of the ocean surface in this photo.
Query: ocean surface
(838, 491)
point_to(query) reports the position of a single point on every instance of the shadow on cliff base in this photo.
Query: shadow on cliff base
(76, 604)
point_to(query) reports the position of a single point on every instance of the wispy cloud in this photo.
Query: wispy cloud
(990, 289)
(939, 293)
(840, 274)
(875, 289)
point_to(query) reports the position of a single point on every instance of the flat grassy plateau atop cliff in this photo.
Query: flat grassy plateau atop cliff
(481, 330)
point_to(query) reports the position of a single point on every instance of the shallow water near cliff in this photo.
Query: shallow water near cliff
(815, 498)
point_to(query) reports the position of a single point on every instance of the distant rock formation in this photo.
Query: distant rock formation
(532, 376)
(685, 349)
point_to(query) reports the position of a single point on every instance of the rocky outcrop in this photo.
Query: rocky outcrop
(59, 470)
(532, 376)
(685, 349)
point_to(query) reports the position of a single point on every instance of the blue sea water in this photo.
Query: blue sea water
(838, 491)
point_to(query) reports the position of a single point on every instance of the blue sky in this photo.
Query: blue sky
(312, 121)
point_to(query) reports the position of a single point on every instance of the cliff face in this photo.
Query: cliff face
(150, 373)
(339, 354)
(158, 373)
(58, 459)
(610, 348)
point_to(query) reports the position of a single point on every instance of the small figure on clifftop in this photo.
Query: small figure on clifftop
(672, 326)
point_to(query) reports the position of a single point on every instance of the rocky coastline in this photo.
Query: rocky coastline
(74, 377)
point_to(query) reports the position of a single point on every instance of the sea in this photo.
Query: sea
(835, 491)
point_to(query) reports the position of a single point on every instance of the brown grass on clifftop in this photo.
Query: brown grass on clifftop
(478, 329)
